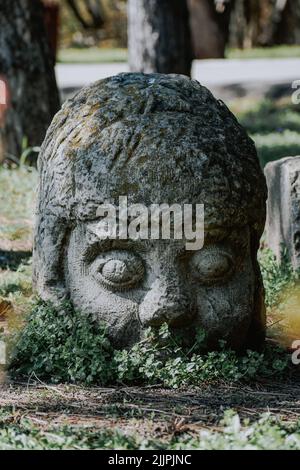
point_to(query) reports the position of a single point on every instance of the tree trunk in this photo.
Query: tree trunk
(93, 8)
(27, 68)
(210, 27)
(238, 25)
(252, 14)
(159, 36)
(286, 30)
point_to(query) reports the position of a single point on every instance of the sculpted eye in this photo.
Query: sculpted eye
(211, 265)
(118, 270)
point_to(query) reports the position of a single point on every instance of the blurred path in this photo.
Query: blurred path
(225, 72)
(229, 77)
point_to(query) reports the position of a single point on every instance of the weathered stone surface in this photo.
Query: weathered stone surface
(283, 208)
(156, 139)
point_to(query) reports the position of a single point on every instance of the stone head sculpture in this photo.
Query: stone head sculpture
(154, 139)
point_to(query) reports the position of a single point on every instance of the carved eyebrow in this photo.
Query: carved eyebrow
(94, 247)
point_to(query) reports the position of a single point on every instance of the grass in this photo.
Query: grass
(95, 55)
(276, 277)
(273, 125)
(17, 190)
(16, 281)
(17, 200)
(17, 206)
(277, 145)
(61, 345)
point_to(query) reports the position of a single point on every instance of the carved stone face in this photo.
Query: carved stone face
(154, 139)
(131, 285)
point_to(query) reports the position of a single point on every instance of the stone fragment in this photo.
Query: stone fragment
(283, 208)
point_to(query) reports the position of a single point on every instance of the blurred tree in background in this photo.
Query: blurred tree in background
(264, 23)
(159, 36)
(94, 8)
(86, 23)
(215, 24)
(210, 26)
(27, 67)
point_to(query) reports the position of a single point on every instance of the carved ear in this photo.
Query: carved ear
(49, 258)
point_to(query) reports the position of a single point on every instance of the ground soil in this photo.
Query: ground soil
(150, 411)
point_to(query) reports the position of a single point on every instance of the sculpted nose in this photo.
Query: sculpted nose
(166, 303)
